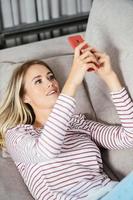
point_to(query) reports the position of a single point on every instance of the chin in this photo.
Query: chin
(53, 100)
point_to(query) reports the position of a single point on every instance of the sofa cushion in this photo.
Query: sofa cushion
(119, 161)
(12, 186)
(110, 30)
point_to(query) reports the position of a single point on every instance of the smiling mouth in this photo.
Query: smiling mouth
(52, 92)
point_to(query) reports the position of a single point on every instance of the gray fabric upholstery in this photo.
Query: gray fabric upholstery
(110, 29)
(37, 50)
(12, 186)
(119, 161)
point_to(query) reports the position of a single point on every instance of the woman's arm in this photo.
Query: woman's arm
(111, 137)
(116, 137)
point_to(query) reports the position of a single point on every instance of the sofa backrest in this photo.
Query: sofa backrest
(110, 30)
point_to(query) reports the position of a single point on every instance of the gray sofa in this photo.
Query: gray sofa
(58, 54)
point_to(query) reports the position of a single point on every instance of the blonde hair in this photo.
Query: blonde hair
(13, 111)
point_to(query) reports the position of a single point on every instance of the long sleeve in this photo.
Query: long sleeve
(111, 136)
(24, 147)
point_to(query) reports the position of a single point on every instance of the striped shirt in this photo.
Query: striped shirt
(62, 161)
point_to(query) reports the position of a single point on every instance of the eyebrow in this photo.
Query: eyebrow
(39, 76)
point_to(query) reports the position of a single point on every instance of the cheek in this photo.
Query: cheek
(57, 85)
(34, 94)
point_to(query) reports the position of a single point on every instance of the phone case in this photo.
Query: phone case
(75, 41)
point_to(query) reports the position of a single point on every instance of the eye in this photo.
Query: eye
(51, 77)
(39, 81)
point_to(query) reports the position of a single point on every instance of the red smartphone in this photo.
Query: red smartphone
(75, 41)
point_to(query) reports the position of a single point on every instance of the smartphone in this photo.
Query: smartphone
(75, 41)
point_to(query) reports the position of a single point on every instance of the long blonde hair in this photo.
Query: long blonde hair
(13, 111)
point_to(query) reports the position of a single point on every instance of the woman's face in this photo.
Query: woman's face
(41, 87)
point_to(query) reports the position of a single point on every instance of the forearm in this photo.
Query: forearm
(69, 88)
(111, 136)
(55, 128)
(113, 82)
(72, 82)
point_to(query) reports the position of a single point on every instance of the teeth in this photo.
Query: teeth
(51, 92)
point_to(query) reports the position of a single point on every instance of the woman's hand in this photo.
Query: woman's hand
(106, 72)
(105, 68)
(83, 61)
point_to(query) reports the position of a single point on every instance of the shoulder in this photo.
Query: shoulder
(18, 133)
(23, 128)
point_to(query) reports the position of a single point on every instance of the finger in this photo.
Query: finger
(81, 45)
(90, 59)
(87, 49)
(99, 56)
(102, 60)
(93, 50)
(78, 48)
(86, 54)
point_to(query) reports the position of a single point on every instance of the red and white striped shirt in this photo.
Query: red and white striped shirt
(62, 161)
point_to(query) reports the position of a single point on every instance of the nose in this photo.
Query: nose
(50, 84)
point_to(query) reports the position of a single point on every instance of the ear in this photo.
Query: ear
(26, 99)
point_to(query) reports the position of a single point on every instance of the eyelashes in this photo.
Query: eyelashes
(39, 81)
(49, 77)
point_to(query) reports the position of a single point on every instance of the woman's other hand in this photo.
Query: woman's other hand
(106, 72)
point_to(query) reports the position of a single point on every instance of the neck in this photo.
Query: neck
(41, 117)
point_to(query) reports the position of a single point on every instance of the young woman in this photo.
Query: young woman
(56, 152)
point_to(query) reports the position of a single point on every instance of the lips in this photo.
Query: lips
(53, 91)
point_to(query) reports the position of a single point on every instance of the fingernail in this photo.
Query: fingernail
(93, 50)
